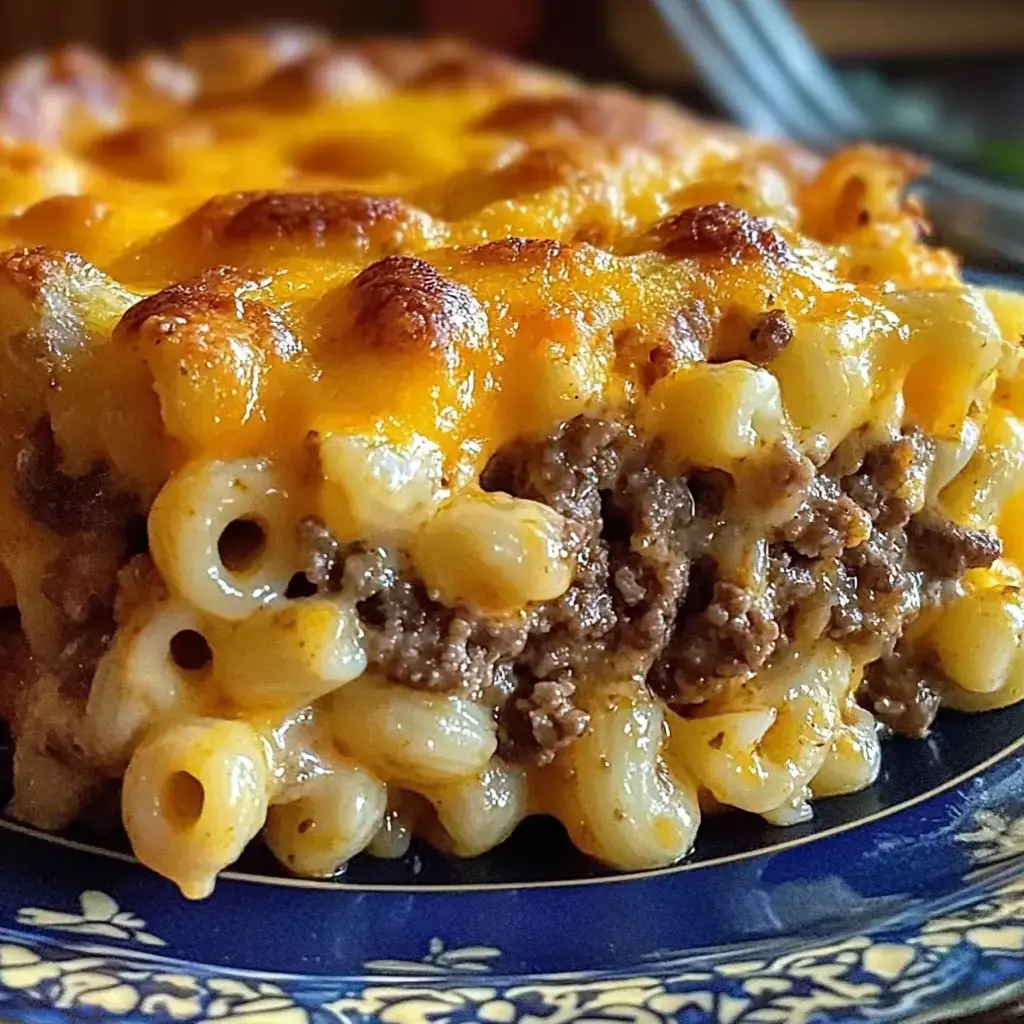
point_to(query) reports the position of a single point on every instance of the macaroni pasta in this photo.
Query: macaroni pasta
(399, 441)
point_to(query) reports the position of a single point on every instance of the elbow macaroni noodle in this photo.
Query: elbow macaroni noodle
(733, 410)
(372, 487)
(343, 338)
(477, 812)
(285, 656)
(409, 736)
(331, 819)
(188, 527)
(137, 682)
(494, 552)
(624, 804)
(195, 793)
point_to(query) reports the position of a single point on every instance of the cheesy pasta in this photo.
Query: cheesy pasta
(399, 441)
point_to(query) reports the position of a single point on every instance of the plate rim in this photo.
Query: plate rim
(654, 994)
(913, 948)
(294, 882)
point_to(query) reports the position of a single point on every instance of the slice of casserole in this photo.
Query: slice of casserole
(398, 440)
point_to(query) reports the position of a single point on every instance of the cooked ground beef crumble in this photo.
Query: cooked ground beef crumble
(846, 557)
(101, 528)
(848, 560)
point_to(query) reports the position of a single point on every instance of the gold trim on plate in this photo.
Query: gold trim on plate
(787, 844)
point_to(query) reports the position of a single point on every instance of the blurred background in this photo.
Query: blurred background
(949, 72)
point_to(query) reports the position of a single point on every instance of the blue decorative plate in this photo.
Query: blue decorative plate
(901, 903)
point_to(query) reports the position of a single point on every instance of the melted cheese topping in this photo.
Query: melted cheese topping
(425, 241)
(401, 257)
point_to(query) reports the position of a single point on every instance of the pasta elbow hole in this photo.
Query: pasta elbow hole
(299, 586)
(242, 544)
(183, 798)
(190, 651)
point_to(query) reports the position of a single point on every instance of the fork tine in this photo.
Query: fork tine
(763, 68)
(723, 78)
(798, 56)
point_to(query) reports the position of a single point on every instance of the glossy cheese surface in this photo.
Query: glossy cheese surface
(412, 239)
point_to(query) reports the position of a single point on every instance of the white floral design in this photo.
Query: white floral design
(996, 837)
(865, 977)
(440, 960)
(100, 916)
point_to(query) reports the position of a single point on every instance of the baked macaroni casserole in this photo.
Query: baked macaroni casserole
(400, 441)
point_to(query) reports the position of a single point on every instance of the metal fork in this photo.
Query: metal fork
(760, 66)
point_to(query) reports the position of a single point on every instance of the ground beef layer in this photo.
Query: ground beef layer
(845, 556)
(843, 553)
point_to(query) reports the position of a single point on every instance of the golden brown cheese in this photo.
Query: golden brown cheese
(466, 251)
(482, 234)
